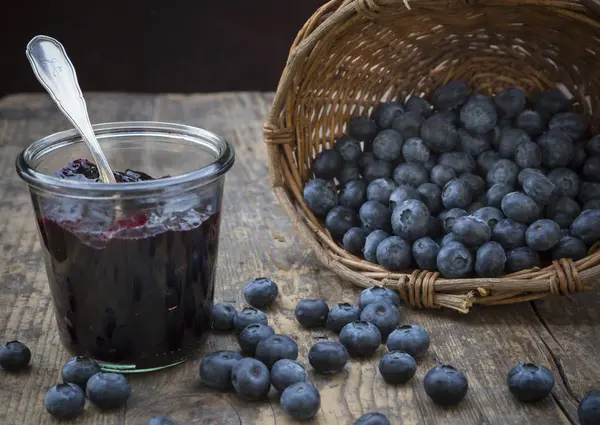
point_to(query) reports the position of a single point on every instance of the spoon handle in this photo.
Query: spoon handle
(54, 70)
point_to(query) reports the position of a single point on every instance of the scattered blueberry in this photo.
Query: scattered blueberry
(557, 149)
(490, 260)
(371, 244)
(79, 370)
(394, 253)
(569, 247)
(528, 155)
(418, 105)
(528, 172)
(286, 372)
(251, 379)
(341, 315)
(412, 339)
(431, 162)
(531, 122)
(589, 191)
(360, 338)
(450, 237)
(431, 195)
(387, 145)
(486, 161)
(14, 356)
(475, 183)
(349, 148)
(353, 194)
(414, 150)
(328, 164)
(530, 382)
(522, 258)
(338, 221)
(377, 294)
(251, 335)
(64, 401)
(456, 194)
(448, 217)
(439, 134)
(384, 315)
(473, 144)
(490, 215)
(381, 190)
(362, 128)
(312, 313)
(411, 174)
(349, 172)
(410, 220)
(587, 226)
(589, 409)
(375, 216)
(579, 156)
(215, 369)
(221, 317)
(510, 140)
(539, 188)
(445, 385)
(477, 204)
(450, 95)
(459, 161)
(566, 181)
(551, 102)
(402, 193)
(503, 171)
(520, 207)
(471, 230)
(563, 211)
(591, 168)
(497, 192)
(455, 260)
(328, 357)
(354, 240)
(385, 113)
(276, 347)
(442, 174)
(108, 390)
(248, 316)
(372, 418)
(572, 124)
(262, 291)
(162, 420)
(319, 197)
(425, 252)
(397, 367)
(408, 124)
(300, 401)
(510, 102)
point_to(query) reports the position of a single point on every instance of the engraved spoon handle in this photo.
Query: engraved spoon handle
(54, 70)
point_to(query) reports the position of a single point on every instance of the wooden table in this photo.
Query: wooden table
(257, 240)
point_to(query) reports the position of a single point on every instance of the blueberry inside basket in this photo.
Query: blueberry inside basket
(426, 112)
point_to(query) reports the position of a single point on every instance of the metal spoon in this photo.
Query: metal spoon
(54, 70)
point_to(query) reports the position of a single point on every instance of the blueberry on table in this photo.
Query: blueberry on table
(385, 113)
(569, 247)
(455, 260)
(14, 356)
(350, 171)
(376, 294)
(394, 253)
(425, 251)
(570, 123)
(375, 216)
(262, 291)
(353, 194)
(328, 357)
(338, 221)
(442, 174)
(215, 369)
(79, 370)
(418, 105)
(531, 122)
(448, 217)
(471, 230)
(486, 160)
(221, 317)
(450, 95)
(412, 339)
(248, 316)
(520, 207)
(479, 114)
(530, 382)
(64, 401)
(490, 260)
(397, 367)
(563, 211)
(408, 124)
(587, 226)
(402, 193)
(354, 240)
(566, 181)
(475, 183)
(431, 195)
(312, 313)
(414, 150)
(349, 148)
(503, 171)
(362, 128)
(300, 401)
(528, 155)
(371, 244)
(510, 102)
(510, 140)
(341, 315)
(384, 315)
(380, 190)
(439, 134)
(460, 162)
(411, 174)
(591, 168)
(162, 420)
(557, 149)
(551, 102)
(522, 258)
(319, 197)
(360, 338)
(328, 164)
(387, 145)
(473, 144)
(251, 335)
(490, 215)
(276, 347)
(410, 220)
(456, 194)
(497, 192)
(286, 372)
(445, 385)
(372, 418)
(108, 390)
(250, 379)
(589, 409)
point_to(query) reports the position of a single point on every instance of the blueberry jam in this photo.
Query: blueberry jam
(131, 288)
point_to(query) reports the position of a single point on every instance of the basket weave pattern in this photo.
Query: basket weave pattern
(353, 54)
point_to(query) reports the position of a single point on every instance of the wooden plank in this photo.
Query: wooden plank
(257, 240)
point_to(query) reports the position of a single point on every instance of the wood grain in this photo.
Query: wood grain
(257, 240)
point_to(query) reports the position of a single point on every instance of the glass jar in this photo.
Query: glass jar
(131, 266)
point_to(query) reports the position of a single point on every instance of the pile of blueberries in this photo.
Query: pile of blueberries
(461, 183)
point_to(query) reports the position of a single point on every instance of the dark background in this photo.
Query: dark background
(156, 46)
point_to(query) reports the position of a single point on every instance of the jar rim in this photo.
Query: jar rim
(203, 175)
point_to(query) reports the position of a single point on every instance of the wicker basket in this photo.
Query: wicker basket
(352, 54)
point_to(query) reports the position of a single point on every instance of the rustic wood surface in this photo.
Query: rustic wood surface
(257, 240)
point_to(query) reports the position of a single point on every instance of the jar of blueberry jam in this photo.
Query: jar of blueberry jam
(131, 265)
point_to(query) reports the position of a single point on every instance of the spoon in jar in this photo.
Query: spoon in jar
(54, 70)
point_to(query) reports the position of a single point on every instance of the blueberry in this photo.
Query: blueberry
(450, 95)
(587, 226)
(353, 194)
(471, 230)
(473, 144)
(475, 182)
(366, 159)
(286, 372)
(341, 315)
(360, 338)
(490, 215)
(520, 207)
(566, 181)
(349, 172)
(378, 169)
(362, 128)
(401, 194)
(486, 161)
(503, 171)
(490, 260)
(397, 367)
(394, 253)
(450, 237)
(450, 115)
(540, 188)
(375, 216)
(408, 124)
(328, 357)
(570, 123)
(510, 139)
(372, 418)
(418, 105)
(262, 291)
(14, 356)
(477, 204)
(522, 258)
(563, 211)
(510, 102)
(442, 174)
(497, 192)
(411, 174)
(382, 314)
(557, 149)
(251, 379)
(434, 229)
(385, 113)
(591, 168)
(414, 150)
(531, 122)
(162, 420)
(569, 247)
(79, 370)
(108, 390)
(388, 145)
(445, 385)
(431, 162)
(552, 102)
(509, 233)
(377, 294)
(528, 172)
(354, 240)
(371, 244)
(448, 217)
(528, 155)
(530, 382)
(380, 190)
(439, 134)
(215, 369)
(410, 220)
(222, 316)
(589, 191)
(455, 260)
(276, 347)
(459, 161)
(588, 411)
(348, 148)
(338, 221)
(593, 204)
(300, 401)
(592, 146)
(319, 197)
(312, 313)
(579, 155)
(425, 252)
(456, 194)
(412, 339)
(251, 335)
(479, 114)
(328, 164)
(248, 316)
(64, 401)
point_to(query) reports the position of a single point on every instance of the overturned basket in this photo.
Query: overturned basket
(353, 54)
